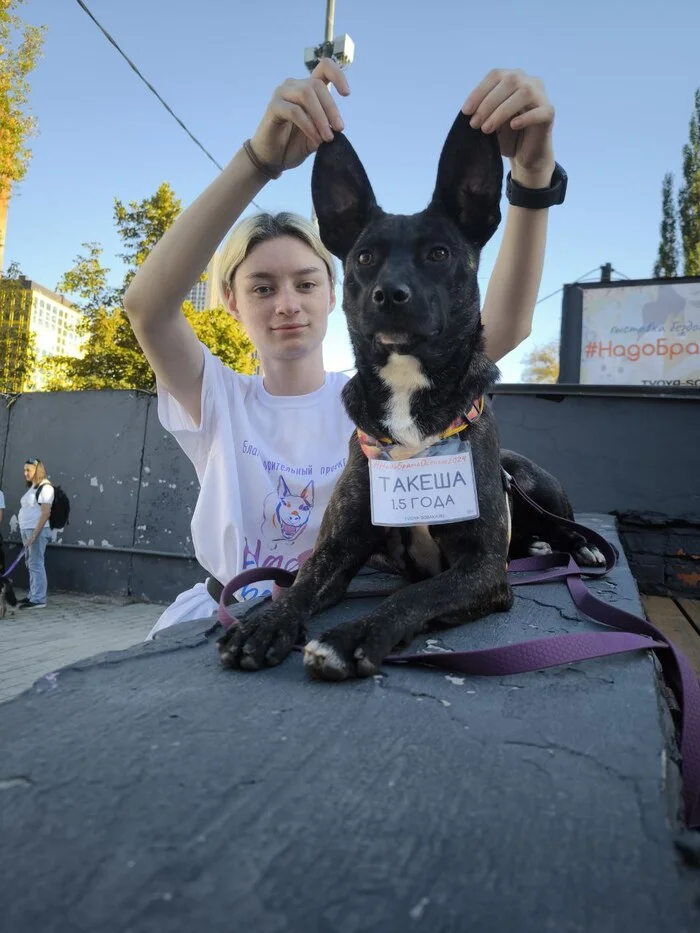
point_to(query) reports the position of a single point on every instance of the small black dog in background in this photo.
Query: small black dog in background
(7, 596)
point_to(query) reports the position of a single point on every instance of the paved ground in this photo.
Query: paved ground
(156, 791)
(71, 627)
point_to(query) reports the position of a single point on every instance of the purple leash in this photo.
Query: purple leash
(632, 634)
(14, 564)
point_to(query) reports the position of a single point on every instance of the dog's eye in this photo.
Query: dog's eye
(439, 254)
(365, 257)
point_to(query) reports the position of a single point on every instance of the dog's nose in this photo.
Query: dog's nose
(391, 295)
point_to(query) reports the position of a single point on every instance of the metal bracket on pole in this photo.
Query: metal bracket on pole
(341, 50)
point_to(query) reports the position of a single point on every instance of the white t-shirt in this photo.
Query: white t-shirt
(2, 500)
(30, 505)
(266, 466)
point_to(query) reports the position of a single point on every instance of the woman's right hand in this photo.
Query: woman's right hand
(301, 115)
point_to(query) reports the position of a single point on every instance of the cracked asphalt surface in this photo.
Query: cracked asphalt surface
(150, 790)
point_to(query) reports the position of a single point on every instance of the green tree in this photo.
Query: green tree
(689, 196)
(224, 337)
(112, 358)
(143, 223)
(667, 260)
(542, 363)
(87, 282)
(20, 47)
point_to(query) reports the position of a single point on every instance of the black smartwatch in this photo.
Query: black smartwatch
(537, 198)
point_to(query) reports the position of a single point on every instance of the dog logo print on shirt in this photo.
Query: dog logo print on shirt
(286, 514)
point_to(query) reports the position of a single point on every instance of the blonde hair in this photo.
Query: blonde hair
(39, 471)
(259, 228)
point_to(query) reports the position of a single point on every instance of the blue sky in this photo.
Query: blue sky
(621, 76)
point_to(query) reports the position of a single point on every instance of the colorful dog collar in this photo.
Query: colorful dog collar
(380, 448)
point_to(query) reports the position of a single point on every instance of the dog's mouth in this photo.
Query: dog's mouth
(393, 338)
(401, 339)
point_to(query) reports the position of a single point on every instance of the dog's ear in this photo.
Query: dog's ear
(469, 181)
(342, 195)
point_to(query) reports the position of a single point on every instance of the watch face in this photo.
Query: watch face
(560, 176)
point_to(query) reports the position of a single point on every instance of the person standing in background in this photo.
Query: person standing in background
(34, 514)
(2, 516)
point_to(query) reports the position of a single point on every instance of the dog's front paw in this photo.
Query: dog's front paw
(342, 653)
(589, 556)
(325, 662)
(263, 640)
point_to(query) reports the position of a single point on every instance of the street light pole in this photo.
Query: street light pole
(330, 17)
(341, 50)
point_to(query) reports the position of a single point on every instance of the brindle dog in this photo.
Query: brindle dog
(412, 305)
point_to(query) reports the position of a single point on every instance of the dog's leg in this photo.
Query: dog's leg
(265, 636)
(535, 534)
(549, 537)
(571, 542)
(465, 592)
(552, 538)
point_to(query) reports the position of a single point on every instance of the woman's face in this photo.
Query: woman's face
(282, 296)
(29, 472)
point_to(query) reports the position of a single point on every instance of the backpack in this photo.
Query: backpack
(60, 507)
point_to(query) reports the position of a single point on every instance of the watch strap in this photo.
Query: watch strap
(538, 198)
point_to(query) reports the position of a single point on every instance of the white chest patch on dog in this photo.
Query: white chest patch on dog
(403, 375)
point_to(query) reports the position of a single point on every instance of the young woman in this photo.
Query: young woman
(268, 450)
(34, 514)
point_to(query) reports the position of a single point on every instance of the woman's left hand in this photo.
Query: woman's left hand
(515, 106)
